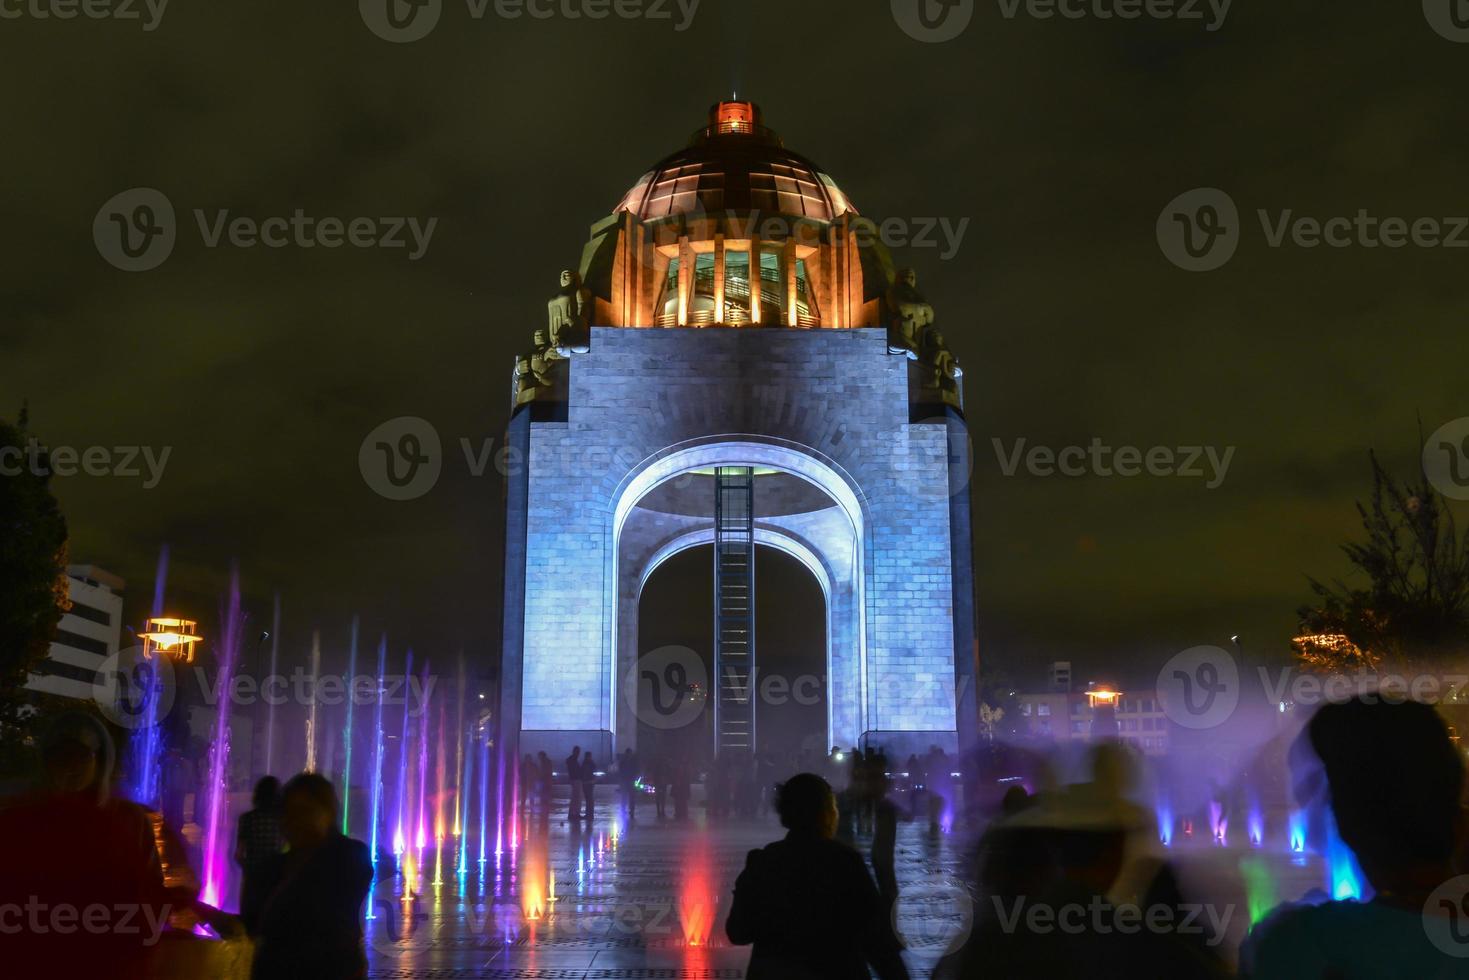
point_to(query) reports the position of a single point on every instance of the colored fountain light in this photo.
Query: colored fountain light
(420, 837)
(216, 836)
(484, 795)
(146, 744)
(311, 730)
(1298, 831)
(377, 764)
(1260, 887)
(461, 814)
(1256, 825)
(1344, 876)
(347, 732)
(536, 883)
(696, 897)
(377, 752)
(400, 834)
(1164, 814)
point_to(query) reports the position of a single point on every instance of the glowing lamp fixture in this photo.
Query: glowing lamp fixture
(735, 117)
(1102, 696)
(172, 636)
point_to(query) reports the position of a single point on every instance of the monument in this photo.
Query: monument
(736, 363)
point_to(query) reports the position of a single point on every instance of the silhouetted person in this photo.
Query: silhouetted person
(573, 776)
(1393, 779)
(258, 839)
(808, 903)
(767, 774)
(310, 925)
(178, 779)
(662, 776)
(529, 780)
(681, 789)
(71, 846)
(545, 774)
(588, 778)
(627, 780)
(936, 775)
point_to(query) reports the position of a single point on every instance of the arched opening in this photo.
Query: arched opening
(791, 643)
(804, 507)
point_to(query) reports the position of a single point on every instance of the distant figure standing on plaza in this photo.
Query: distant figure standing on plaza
(258, 839)
(662, 777)
(627, 782)
(573, 777)
(589, 784)
(807, 903)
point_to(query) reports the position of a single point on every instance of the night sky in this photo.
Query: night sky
(1058, 141)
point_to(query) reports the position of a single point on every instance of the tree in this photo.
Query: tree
(33, 583)
(997, 695)
(1414, 609)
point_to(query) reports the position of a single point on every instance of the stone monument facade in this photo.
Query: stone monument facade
(736, 314)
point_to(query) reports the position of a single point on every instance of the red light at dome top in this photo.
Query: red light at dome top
(735, 117)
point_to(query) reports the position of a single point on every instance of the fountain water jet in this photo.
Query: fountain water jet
(377, 758)
(216, 849)
(311, 715)
(347, 731)
(145, 745)
(275, 643)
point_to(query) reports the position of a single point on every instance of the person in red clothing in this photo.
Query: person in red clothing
(81, 886)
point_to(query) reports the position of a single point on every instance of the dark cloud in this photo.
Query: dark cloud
(1060, 142)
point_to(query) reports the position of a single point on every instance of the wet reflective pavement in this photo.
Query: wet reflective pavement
(646, 902)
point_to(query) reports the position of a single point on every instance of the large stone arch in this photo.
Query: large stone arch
(831, 407)
(832, 548)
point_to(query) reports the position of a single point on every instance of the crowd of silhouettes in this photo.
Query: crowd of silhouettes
(811, 905)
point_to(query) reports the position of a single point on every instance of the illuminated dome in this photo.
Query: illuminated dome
(736, 164)
(734, 230)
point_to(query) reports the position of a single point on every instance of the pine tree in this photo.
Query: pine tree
(1413, 612)
(33, 583)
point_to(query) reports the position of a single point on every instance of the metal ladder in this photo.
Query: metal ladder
(734, 609)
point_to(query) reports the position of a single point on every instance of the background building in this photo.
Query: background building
(86, 636)
(1133, 714)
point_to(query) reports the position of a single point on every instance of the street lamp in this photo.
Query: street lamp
(171, 636)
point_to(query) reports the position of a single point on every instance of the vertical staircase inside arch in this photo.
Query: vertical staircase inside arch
(734, 609)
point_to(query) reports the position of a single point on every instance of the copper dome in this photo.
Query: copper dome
(734, 164)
